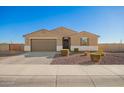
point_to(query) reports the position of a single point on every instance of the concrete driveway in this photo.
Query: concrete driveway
(61, 75)
(29, 58)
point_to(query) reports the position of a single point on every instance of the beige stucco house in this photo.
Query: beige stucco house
(60, 38)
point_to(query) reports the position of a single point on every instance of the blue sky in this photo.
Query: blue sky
(108, 22)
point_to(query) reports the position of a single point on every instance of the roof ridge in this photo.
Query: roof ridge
(64, 28)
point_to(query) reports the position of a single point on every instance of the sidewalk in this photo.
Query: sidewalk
(62, 75)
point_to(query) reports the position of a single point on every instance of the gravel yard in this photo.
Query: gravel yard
(55, 58)
(109, 58)
(113, 58)
(71, 59)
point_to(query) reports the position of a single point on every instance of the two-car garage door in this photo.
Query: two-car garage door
(43, 45)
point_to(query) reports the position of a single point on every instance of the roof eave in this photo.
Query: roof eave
(33, 32)
(90, 33)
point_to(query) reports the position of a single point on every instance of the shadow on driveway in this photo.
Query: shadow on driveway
(40, 54)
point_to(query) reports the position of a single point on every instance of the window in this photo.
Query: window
(84, 41)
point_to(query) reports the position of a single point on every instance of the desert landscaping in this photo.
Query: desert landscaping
(55, 58)
(109, 58)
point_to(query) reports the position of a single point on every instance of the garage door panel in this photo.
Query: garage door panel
(43, 45)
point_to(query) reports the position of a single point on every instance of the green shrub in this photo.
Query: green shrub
(101, 52)
(95, 57)
(65, 52)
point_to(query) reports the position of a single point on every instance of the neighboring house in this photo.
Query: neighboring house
(60, 38)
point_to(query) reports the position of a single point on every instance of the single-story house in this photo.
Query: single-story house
(60, 38)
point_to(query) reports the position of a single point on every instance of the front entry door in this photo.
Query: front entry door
(66, 43)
